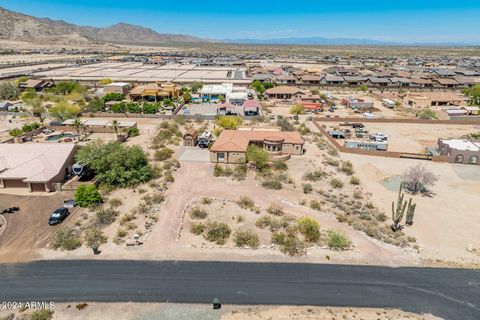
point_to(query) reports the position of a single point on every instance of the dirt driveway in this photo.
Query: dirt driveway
(27, 229)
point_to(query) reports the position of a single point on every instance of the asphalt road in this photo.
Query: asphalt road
(447, 293)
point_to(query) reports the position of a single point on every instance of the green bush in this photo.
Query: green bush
(94, 237)
(163, 154)
(246, 238)
(87, 195)
(66, 239)
(258, 156)
(197, 213)
(217, 232)
(133, 132)
(335, 183)
(310, 229)
(197, 228)
(337, 241)
(272, 223)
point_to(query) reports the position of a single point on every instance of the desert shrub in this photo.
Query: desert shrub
(163, 154)
(315, 205)
(247, 238)
(115, 202)
(309, 228)
(337, 241)
(275, 210)
(279, 165)
(258, 156)
(66, 239)
(336, 183)
(347, 168)
(272, 184)
(381, 217)
(217, 232)
(289, 243)
(357, 194)
(239, 173)
(206, 201)
(121, 233)
(272, 223)
(197, 228)
(87, 195)
(106, 215)
(307, 188)
(354, 180)
(246, 203)
(197, 213)
(157, 198)
(314, 176)
(94, 237)
(332, 162)
(43, 314)
(341, 217)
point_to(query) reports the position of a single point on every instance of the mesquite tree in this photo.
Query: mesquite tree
(418, 179)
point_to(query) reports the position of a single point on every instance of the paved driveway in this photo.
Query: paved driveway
(193, 154)
(27, 229)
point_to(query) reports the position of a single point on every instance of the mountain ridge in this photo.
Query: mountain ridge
(19, 26)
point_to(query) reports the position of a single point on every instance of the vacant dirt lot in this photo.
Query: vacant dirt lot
(27, 229)
(446, 224)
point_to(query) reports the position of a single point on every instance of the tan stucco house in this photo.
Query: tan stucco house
(231, 146)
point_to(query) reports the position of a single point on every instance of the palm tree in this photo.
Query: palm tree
(115, 127)
(77, 125)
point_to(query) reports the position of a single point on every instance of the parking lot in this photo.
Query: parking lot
(27, 229)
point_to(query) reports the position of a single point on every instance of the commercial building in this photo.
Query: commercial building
(231, 146)
(35, 166)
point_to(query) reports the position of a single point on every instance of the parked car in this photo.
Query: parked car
(58, 216)
(69, 203)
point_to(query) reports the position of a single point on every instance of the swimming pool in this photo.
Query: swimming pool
(59, 136)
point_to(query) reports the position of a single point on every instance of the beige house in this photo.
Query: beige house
(117, 87)
(430, 99)
(284, 92)
(231, 146)
(35, 166)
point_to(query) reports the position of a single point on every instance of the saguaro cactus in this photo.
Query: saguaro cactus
(410, 212)
(398, 211)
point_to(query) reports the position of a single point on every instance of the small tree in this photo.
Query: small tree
(297, 109)
(418, 179)
(87, 195)
(77, 125)
(258, 156)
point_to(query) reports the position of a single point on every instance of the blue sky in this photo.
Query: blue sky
(390, 20)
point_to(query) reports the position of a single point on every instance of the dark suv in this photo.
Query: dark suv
(58, 216)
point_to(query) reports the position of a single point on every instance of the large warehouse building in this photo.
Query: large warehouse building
(35, 166)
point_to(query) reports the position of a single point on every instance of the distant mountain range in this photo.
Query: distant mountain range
(17, 26)
(341, 41)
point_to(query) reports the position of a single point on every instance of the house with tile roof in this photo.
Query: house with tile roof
(231, 145)
(35, 166)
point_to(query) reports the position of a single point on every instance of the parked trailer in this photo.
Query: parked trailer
(367, 145)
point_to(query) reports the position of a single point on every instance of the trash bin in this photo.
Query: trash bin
(216, 304)
(95, 250)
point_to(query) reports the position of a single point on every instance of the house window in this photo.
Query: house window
(459, 158)
(220, 157)
(473, 160)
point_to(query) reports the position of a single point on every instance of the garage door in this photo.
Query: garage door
(14, 184)
(38, 187)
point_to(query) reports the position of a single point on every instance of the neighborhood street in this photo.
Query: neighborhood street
(447, 293)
